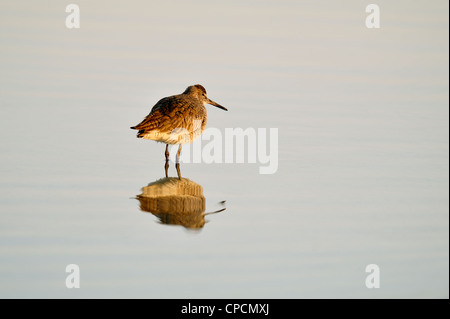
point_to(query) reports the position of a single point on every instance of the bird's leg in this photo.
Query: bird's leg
(177, 165)
(166, 166)
(167, 152)
(178, 153)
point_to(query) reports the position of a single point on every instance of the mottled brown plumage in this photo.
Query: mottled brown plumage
(177, 119)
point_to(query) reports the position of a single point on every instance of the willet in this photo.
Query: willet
(177, 119)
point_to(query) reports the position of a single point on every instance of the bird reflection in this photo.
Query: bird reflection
(175, 201)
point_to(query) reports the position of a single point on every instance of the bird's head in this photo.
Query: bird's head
(199, 92)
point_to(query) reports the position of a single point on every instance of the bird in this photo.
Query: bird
(177, 119)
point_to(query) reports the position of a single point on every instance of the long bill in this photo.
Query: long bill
(216, 105)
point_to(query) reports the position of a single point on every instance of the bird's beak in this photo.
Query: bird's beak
(216, 104)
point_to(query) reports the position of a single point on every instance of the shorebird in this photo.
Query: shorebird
(177, 119)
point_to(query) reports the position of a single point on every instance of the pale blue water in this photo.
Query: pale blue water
(362, 176)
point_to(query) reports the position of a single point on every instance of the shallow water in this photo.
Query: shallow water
(362, 118)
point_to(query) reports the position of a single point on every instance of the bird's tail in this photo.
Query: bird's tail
(139, 133)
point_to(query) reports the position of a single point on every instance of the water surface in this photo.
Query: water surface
(362, 118)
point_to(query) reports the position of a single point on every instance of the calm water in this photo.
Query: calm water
(362, 118)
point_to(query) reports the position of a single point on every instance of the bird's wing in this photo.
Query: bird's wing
(169, 113)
